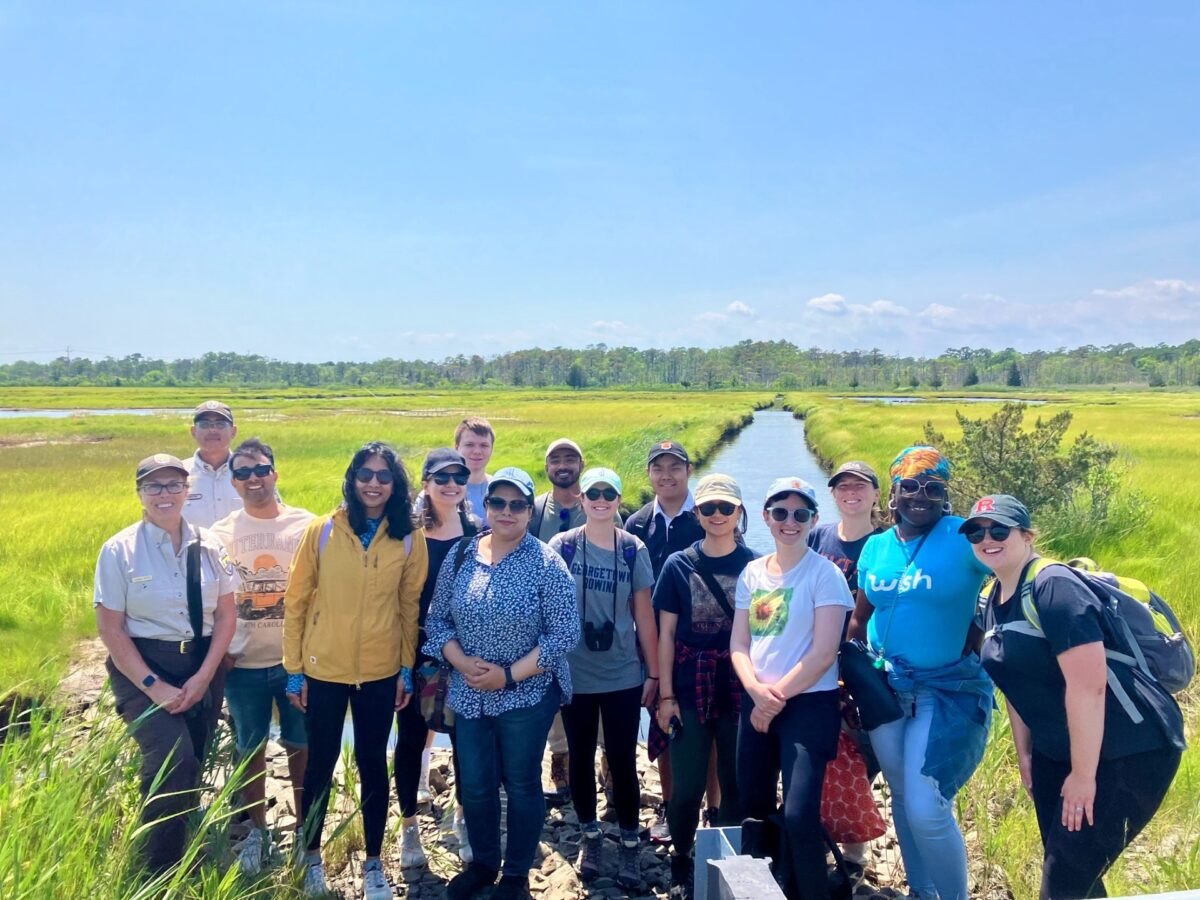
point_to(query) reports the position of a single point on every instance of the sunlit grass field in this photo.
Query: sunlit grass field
(1159, 438)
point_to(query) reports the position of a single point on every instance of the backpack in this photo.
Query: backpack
(328, 530)
(570, 545)
(1147, 630)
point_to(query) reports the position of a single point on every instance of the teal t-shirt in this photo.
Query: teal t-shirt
(924, 600)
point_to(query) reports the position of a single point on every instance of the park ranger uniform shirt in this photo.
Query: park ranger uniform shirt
(211, 496)
(140, 574)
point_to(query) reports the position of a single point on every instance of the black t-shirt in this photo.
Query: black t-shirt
(703, 623)
(438, 551)
(1026, 669)
(843, 554)
(663, 539)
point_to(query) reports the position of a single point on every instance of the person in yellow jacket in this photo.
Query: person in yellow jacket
(349, 638)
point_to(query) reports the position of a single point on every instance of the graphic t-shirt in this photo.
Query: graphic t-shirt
(1026, 668)
(620, 667)
(262, 551)
(924, 599)
(782, 609)
(703, 623)
(843, 554)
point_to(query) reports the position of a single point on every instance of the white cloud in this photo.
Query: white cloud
(831, 304)
(880, 309)
(616, 326)
(738, 308)
(1167, 299)
(938, 312)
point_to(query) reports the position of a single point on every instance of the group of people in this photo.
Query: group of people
(545, 609)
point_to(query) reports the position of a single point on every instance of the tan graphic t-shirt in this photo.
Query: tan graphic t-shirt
(262, 551)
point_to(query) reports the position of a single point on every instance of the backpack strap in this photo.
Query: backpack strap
(539, 515)
(325, 532)
(408, 544)
(710, 580)
(569, 545)
(460, 553)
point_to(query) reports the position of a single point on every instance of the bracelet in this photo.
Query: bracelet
(652, 678)
(667, 700)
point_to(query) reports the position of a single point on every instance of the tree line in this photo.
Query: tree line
(749, 364)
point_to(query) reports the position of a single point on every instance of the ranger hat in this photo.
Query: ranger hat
(1001, 508)
(213, 406)
(152, 464)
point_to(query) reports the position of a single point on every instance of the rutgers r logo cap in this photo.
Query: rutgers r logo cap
(987, 504)
(1000, 508)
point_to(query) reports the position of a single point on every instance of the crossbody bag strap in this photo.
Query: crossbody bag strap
(709, 579)
(194, 600)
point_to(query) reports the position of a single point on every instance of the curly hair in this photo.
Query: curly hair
(399, 511)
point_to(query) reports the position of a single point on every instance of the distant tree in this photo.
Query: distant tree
(971, 378)
(913, 380)
(1013, 379)
(575, 376)
(1156, 380)
(854, 381)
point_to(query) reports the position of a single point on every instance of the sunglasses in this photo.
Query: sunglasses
(999, 533)
(383, 476)
(459, 478)
(801, 515)
(262, 470)
(499, 504)
(724, 507)
(609, 494)
(154, 488)
(934, 490)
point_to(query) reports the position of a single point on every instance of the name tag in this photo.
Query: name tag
(140, 578)
(195, 496)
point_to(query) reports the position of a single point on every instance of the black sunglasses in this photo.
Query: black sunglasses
(723, 506)
(460, 478)
(609, 494)
(499, 504)
(383, 476)
(934, 490)
(262, 470)
(801, 515)
(999, 533)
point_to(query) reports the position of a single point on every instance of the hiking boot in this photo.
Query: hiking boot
(375, 883)
(681, 878)
(464, 841)
(660, 831)
(470, 881)
(412, 854)
(629, 874)
(314, 880)
(559, 776)
(255, 848)
(591, 843)
(512, 887)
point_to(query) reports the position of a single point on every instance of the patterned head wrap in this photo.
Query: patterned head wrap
(920, 459)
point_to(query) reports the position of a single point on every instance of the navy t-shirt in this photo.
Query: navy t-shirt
(703, 623)
(1026, 669)
(843, 554)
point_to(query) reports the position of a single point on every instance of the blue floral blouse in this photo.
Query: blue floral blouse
(499, 613)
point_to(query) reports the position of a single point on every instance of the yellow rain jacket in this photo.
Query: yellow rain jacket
(350, 615)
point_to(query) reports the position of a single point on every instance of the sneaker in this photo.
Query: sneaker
(464, 841)
(512, 887)
(470, 881)
(660, 831)
(375, 883)
(424, 795)
(559, 763)
(681, 878)
(708, 818)
(629, 873)
(314, 880)
(590, 849)
(412, 854)
(253, 851)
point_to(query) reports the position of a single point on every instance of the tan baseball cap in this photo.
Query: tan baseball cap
(213, 406)
(563, 443)
(717, 487)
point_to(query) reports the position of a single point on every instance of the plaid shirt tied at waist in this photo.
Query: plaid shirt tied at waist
(708, 699)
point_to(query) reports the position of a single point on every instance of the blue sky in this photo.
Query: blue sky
(319, 181)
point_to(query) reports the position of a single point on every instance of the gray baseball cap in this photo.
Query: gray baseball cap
(152, 464)
(857, 469)
(792, 485)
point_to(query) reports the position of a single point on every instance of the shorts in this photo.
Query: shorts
(250, 694)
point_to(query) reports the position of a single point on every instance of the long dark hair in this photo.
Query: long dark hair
(398, 510)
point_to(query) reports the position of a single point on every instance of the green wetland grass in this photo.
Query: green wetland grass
(1159, 438)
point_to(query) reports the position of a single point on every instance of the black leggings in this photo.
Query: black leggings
(621, 712)
(371, 707)
(1129, 790)
(411, 732)
(801, 740)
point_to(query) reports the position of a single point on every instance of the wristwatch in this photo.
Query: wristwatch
(509, 681)
(148, 682)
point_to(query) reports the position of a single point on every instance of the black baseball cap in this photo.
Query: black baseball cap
(152, 464)
(858, 469)
(674, 448)
(213, 406)
(1001, 508)
(441, 458)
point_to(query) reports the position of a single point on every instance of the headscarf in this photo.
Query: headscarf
(920, 459)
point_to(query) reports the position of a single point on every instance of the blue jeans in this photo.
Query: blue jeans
(935, 857)
(506, 749)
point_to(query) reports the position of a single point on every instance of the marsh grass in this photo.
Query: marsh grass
(1158, 435)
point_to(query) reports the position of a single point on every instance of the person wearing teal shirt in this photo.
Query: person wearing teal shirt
(918, 585)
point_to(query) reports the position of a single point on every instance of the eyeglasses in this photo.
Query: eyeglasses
(609, 494)
(383, 476)
(934, 490)
(801, 515)
(999, 533)
(212, 424)
(262, 470)
(154, 488)
(712, 508)
(499, 504)
(459, 478)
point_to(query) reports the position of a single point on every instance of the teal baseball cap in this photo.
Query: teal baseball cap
(518, 478)
(600, 475)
